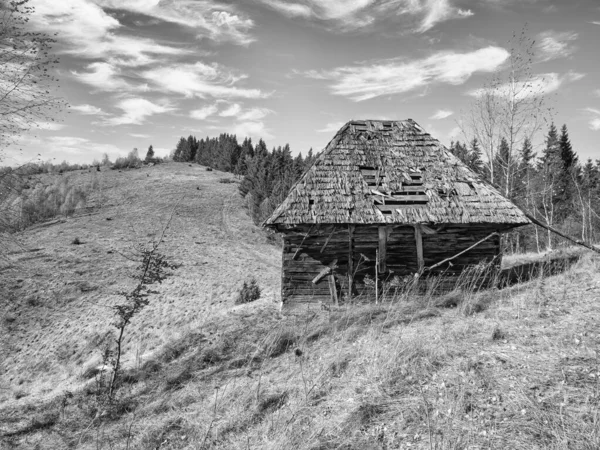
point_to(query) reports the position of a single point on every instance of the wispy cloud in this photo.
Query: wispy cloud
(442, 114)
(215, 20)
(87, 31)
(354, 14)
(104, 77)
(331, 127)
(89, 110)
(232, 111)
(135, 111)
(388, 77)
(552, 45)
(594, 122)
(204, 112)
(254, 114)
(200, 80)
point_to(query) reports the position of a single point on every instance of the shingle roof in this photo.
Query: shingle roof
(376, 171)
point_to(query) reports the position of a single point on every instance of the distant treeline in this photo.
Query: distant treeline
(554, 186)
(267, 176)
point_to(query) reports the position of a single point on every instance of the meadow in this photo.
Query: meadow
(516, 368)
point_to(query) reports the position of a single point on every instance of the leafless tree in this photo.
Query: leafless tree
(511, 105)
(27, 80)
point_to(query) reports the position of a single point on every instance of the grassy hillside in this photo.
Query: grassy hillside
(517, 368)
(54, 295)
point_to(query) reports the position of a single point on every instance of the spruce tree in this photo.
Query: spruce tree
(568, 176)
(150, 154)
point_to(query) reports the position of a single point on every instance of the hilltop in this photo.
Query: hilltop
(511, 368)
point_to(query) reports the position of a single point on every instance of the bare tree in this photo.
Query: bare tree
(511, 105)
(27, 80)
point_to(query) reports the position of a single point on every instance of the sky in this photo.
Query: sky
(146, 72)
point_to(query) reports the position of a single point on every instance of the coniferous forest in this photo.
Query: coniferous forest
(553, 185)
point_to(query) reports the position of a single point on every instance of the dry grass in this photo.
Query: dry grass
(54, 296)
(512, 368)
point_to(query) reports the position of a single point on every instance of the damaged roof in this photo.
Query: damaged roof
(392, 172)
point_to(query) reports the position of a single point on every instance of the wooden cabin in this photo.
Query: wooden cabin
(385, 199)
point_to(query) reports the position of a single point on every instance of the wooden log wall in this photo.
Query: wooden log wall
(308, 250)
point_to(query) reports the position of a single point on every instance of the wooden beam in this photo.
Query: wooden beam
(460, 253)
(328, 239)
(419, 242)
(333, 289)
(382, 248)
(350, 259)
(555, 231)
(326, 271)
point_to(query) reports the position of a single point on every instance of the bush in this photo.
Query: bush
(249, 292)
(131, 161)
(76, 241)
(226, 180)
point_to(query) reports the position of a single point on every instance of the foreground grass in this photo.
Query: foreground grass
(517, 368)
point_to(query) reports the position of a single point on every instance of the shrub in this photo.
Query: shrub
(131, 161)
(226, 180)
(76, 241)
(249, 292)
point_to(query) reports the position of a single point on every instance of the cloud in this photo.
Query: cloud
(595, 23)
(139, 135)
(597, 92)
(255, 130)
(538, 85)
(439, 11)
(441, 114)
(86, 30)
(389, 77)
(232, 111)
(217, 21)
(331, 127)
(104, 77)
(347, 15)
(594, 122)
(552, 45)
(88, 110)
(135, 111)
(203, 113)
(254, 114)
(200, 80)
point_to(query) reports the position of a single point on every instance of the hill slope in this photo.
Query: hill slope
(517, 368)
(55, 295)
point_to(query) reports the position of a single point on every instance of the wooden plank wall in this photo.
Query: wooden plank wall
(316, 248)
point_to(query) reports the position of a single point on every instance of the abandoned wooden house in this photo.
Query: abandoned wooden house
(385, 201)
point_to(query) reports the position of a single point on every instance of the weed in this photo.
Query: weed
(498, 334)
(227, 180)
(76, 241)
(249, 292)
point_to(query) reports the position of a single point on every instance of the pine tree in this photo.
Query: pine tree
(568, 177)
(476, 157)
(149, 154)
